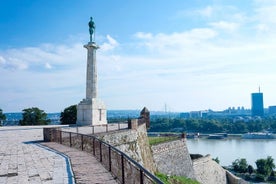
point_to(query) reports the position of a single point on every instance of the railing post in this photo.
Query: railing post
(101, 156)
(82, 142)
(70, 136)
(54, 135)
(123, 169)
(94, 146)
(118, 126)
(141, 177)
(93, 131)
(60, 137)
(106, 128)
(109, 157)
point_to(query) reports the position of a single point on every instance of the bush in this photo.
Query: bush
(175, 179)
(260, 177)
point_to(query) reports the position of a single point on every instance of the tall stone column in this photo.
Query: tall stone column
(91, 110)
(91, 73)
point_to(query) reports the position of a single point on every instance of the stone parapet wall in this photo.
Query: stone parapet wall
(173, 158)
(133, 142)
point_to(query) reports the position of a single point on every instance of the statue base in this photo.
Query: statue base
(91, 112)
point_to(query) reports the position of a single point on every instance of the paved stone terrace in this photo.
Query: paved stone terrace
(23, 160)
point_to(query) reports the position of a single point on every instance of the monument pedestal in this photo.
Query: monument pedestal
(91, 112)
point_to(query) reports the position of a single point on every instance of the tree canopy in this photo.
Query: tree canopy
(34, 116)
(2, 115)
(69, 115)
(240, 165)
(212, 125)
(266, 166)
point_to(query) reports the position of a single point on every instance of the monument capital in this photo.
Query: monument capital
(91, 45)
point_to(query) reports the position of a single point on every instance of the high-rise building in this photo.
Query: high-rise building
(272, 110)
(257, 104)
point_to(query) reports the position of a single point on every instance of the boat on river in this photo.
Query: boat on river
(259, 135)
(192, 135)
(216, 136)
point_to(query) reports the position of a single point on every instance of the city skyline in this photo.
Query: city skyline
(191, 55)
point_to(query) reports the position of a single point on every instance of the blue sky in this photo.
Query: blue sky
(189, 55)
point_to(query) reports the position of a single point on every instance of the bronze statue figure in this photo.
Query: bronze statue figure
(91, 25)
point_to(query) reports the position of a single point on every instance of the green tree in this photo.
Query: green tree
(2, 116)
(34, 116)
(240, 165)
(265, 168)
(69, 115)
(250, 169)
(270, 163)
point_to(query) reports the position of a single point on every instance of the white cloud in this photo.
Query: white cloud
(48, 66)
(264, 16)
(33, 58)
(26, 80)
(110, 45)
(206, 12)
(226, 26)
(14, 63)
(180, 40)
(262, 27)
(2, 60)
(267, 14)
(142, 35)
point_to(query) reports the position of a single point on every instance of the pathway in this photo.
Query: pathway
(24, 161)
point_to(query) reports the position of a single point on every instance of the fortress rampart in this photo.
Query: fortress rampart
(128, 155)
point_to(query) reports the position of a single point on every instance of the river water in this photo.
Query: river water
(230, 149)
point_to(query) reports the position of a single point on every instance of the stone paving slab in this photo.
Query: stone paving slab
(22, 161)
(86, 168)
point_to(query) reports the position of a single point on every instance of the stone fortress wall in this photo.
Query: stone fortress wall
(134, 142)
(208, 171)
(171, 158)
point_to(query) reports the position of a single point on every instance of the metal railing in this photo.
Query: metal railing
(124, 168)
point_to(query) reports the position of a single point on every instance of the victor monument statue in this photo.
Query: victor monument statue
(92, 27)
